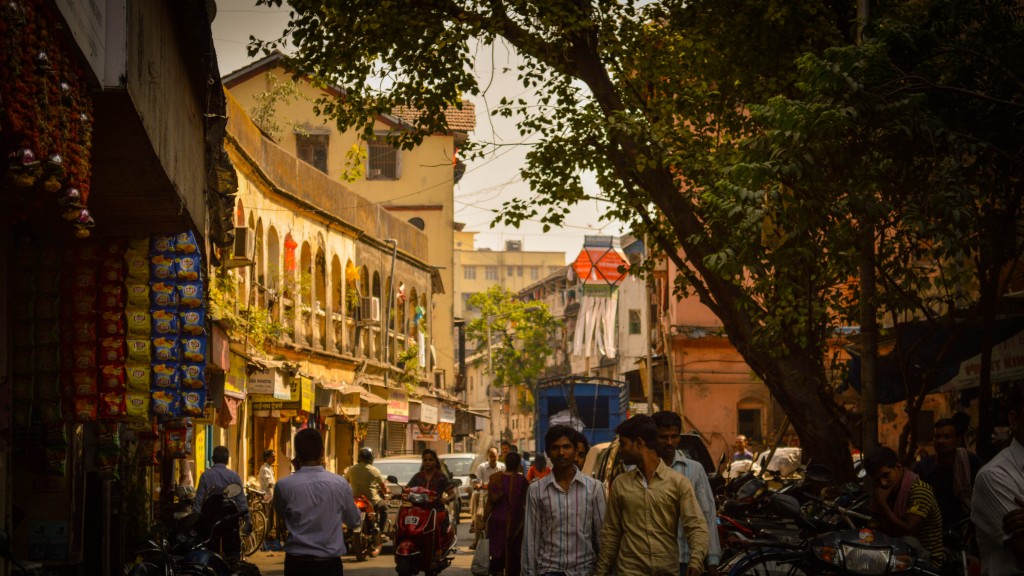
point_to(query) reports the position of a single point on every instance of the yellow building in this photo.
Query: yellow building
(477, 269)
(416, 185)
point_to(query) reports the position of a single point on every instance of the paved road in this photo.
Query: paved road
(272, 563)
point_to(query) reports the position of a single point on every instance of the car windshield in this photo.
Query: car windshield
(459, 466)
(404, 471)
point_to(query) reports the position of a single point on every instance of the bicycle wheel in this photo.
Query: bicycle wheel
(770, 564)
(253, 541)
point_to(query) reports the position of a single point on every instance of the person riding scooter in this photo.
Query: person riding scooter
(367, 480)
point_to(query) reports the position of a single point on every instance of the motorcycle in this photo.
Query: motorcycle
(366, 539)
(424, 537)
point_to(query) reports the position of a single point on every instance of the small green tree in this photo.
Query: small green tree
(520, 333)
(264, 112)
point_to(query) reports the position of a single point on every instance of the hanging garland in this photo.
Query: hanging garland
(45, 117)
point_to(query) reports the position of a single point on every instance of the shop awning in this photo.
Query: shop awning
(364, 394)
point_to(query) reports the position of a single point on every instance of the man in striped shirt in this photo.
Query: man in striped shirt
(564, 513)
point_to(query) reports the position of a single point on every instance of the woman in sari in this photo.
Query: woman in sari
(432, 477)
(506, 511)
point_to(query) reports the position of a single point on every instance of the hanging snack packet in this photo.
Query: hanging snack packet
(112, 324)
(194, 348)
(112, 377)
(138, 376)
(193, 402)
(112, 297)
(47, 333)
(162, 243)
(112, 350)
(113, 271)
(165, 376)
(83, 278)
(188, 266)
(162, 268)
(190, 294)
(165, 322)
(137, 405)
(174, 441)
(193, 321)
(193, 376)
(138, 321)
(84, 355)
(137, 266)
(185, 243)
(138, 246)
(112, 405)
(163, 294)
(85, 409)
(164, 402)
(84, 382)
(165, 349)
(83, 302)
(83, 331)
(138, 350)
(138, 295)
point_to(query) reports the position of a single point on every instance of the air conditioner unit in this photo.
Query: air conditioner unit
(244, 248)
(369, 309)
(374, 173)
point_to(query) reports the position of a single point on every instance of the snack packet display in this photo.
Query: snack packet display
(193, 321)
(112, 377)
(193, 376)
(165, 376)
(164, 402)
(112, 324)
(137, 266)
(185, 243)
(139, 323)
(163, 294)
(162, 268)
(85, 409)
(84, 303)
(84, 331)
(84, 355)
(85, 382)
(188, 266)
(138, 246)
(162, 243)
(193, 402)
(138, 376)
(137, 405)
(194, 349)
(138, 295)
(165, 322)
(112, 297)
(113, 271)
(112, 350)
(165, 349)
(174, 441)
(190, 294)
(138, 349)
(112, 405)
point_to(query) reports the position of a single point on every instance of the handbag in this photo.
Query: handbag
(481, 558)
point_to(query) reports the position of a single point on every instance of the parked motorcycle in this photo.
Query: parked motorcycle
(424, 537)
(366, 539)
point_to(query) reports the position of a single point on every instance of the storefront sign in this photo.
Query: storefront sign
(424, 432)
(398, 407)
(447, 414)
(234, 381)
(269, 382)
(301, 397)
(428, 414)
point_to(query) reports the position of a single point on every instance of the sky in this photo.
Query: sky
(488, 182)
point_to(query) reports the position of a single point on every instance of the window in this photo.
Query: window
(382, 161)
(469, 273)
(417, 222)
(634, 321)
(510, 271)
(491, 272)
(534, 272)
(519, 271)
(749, 423)
(312, 149)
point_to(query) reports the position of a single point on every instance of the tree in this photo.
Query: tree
(653, 98)
(520, 335)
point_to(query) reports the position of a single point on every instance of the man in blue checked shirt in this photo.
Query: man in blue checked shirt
(670, 426)
(213, 481)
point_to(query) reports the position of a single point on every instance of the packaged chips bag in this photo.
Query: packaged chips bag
(165, 349)
(138, 376)
(162, 268)
(112, 377)
(84, 331)
(193, 321)
(165, 322)
(174, 441)
(193, 376)
(85, 409)
(138, 295)
(163, 294)
(190, 294)
(193, 402)
(112, 323)
(137, 266)
(163, 402)
(137, 405)
(162, 243)
(112, 405)
(112, 297)
(185, 243)
(84, 355)
(188, 266)
(85, 382)
(165, 376)
(113, 271)
(138, 320)
(194, 349)
(139, 350)
(112, 350)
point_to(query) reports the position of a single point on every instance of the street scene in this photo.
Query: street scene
(540, 288)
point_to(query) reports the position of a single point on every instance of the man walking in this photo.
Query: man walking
(645, 508)
(564, 513)
(670, 427)
(950, 472)
(368, 481)
(213, 481)
(267, 479)
(314, 504)
(477, 502)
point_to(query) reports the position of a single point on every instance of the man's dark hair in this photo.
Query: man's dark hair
(881, 457)
(667, 419)
(559, 431)
(540, 462)
(309, 445)
(962, 421)
(581, 438)
(267, 455)
(513, 462)
(220, 455)
(943, 422)
(639, 427)
(507, 443)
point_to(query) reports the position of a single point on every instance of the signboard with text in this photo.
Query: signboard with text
(269, 382)
(301, 397)
(428, 414)
(446, 414)
(398, 407)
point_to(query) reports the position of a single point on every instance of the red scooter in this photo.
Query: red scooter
(424, 537)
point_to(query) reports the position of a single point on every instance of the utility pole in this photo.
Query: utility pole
(646, 322)
(384, 324)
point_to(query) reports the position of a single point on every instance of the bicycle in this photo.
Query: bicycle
(253, 541)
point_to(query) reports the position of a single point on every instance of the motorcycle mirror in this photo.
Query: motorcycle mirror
(393, 479)
(232, 490)
(786, 505)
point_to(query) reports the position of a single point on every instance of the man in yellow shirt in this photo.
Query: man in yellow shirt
(368, 481)
(646, 507)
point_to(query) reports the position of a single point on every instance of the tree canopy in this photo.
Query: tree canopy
(723, 130)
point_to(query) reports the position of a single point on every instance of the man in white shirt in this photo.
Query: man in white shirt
(266, 479)
(476, 503)
(564, 513)
(997, 505)
(314, 504)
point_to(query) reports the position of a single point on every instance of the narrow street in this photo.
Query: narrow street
(272, 563)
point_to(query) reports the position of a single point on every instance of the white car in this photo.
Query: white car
(460, 466)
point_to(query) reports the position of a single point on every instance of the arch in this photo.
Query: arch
(261, 276)
(418, 222)
(252, 220)
(273, 259)
(240, 214)
(378, 339)
(305, 294)
(364, 281)
(337, 304)
(319, 297)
